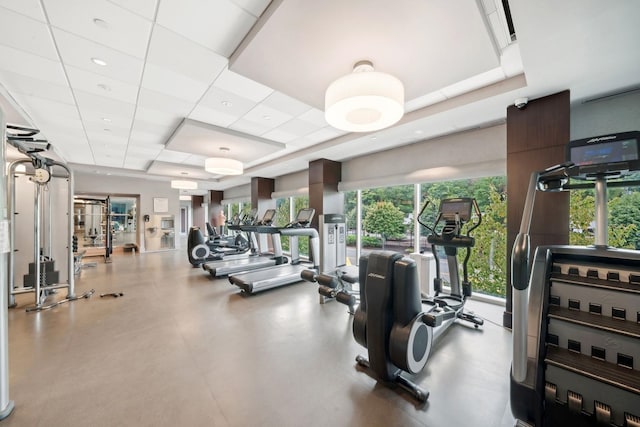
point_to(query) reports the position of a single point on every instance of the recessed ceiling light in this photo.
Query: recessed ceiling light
(99, 61)
(104, 87)
(184, 173)
(107, 130)
(101, 23)
(226, 103)
(266, 117)
(105, 119)
(418, 132)
(373, 138)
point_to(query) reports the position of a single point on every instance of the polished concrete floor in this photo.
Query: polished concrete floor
(182, 349)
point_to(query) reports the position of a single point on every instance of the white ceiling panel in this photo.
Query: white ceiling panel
(96, 130)
(279, 135)
(144, 8)
(267, 116)
(242, 86)
(254, 7)
(108, 161)
(170, 156)
(135, 163)
(195, 160)
(250, 127)
(33, 66)
(314, 116)
(298, 127)
(226, 102)
(18, 83)
(96, 119)
(219, 25)
(101, 86)
(26, 34)
(145, 139)
(211, 116)
(123, 30)
(206, 140)
(171, 83)
(30, 8)
(104, 106)
(78, 52)
(50, 109)
(143, 152)
(183, 56)
(159, 101)
(178, 170)
(286, 104)
(325, 47)
(324, 134)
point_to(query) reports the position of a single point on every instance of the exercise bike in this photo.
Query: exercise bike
(396, 324)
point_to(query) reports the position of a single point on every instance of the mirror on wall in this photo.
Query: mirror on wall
(94, 215)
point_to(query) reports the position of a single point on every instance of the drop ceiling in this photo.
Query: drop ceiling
(185, 77)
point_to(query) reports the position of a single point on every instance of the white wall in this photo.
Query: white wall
(88, 183)
(609, 115)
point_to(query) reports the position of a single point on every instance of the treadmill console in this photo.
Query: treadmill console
(605, 155)
(304, 217)
(267, 218)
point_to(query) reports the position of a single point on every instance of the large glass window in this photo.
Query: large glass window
(286, 210)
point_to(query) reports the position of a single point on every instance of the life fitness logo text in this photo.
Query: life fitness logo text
(602, 138)
(377, 276)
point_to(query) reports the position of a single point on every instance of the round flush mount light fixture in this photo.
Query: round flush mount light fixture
(223, 165)
(365, 100)
(184, 185)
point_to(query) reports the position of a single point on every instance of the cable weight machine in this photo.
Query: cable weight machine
(42, 279)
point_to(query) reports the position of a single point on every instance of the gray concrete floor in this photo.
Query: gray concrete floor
(181, 349)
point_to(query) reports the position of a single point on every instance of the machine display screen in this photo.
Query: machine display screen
(304, 216)
(607, 152)
(269, 215)
(451, 208)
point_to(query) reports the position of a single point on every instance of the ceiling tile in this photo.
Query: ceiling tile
(213, 117)
(26, 34)
(144, 8)
(146, 139)
(125, 31)
(105, 139)
(78, 52)
(101, 86)
(17, 83)
(267, 116)
(108, 161)
(31, 66)
(135, 163)
(30, 8)
(50, 110)
(242, 86)
(298, 127)
(101, 130)
(254, 7)
(324, 134)
(171, 83)
(315, 117)
(286, 104)
(195, 160)
(250, 128)
(279, 135)
(226, 102)
(219, 25)
(103, 106)
(143, 151)
(96, 119)
(158, 101)
(183, 56)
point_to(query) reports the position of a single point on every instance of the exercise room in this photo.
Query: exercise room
(319, 213)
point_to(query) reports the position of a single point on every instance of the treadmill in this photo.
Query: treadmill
(284, 274)
(225, 267)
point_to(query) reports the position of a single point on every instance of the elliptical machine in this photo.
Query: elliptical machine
(396, 325)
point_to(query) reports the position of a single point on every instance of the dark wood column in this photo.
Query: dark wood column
(198, 212)
(537, 137)
(324, 176)
(261, 189)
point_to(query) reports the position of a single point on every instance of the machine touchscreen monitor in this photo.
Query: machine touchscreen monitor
(304, 216)
(606, 153)
(450, 207)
